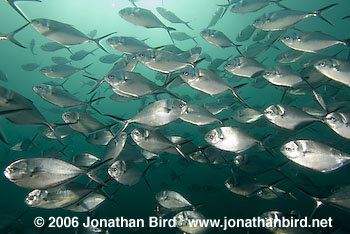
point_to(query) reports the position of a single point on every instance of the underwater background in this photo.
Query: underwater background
(200, 182)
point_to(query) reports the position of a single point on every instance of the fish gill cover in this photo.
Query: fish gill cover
(184, 109)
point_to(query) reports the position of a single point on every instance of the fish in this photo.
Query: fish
(82, 122)
(54, 46)
(312, 42)
(246, 115)
(243, 66)
(284, 19)
(254, 164)
(30, 66)
(59, 60)
(208, 81)
(157, 114)
(289, 117)
(246, 33)
(335, 69)
(230, 139)
(12, 3)
(153, 141)
(11, 37)
(64, 34)
(260, 35)
(289, 56)
(144, 18)
(62, 131)
(216, 17)
(62, 71)
(199, 115)
(282, 76)
(100, 138)
(249, 6)
(125, 172)
(61, 97)
(127, 45)
(315, 155)
(183, 219)
(42, 173)
(92, 33)
(81, 54)
(172, 200)
(88, 203)
(85, 160)
(58, 197)
(114, 148)
(171, 17)
(219, 39)
(339, 123)
(257, 48)
(162, 61)
(32, 46)
(181, 36)
(3, 76)
(109, 58)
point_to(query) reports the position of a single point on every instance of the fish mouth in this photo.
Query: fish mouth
(7, 173)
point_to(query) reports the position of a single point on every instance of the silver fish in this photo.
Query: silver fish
(171, 17)
(181, 36)
(125, 172)
(199, 115)
(88, 203)
(64, 34)
(230, 139)
(247, 115)
(82, 122)
(157, 114)
(30, 66)
(172, 200)
(282, 76)
(109, 58)
(81, 54)
(143, 17)
(185, 217)
(248, 6)
(162, 61)
(54, 46)
(217, 15)
(288, 117)
(246, 33)
(84, 160)
(127, 45)
(311, 41)
(315, 155)
(100, 138)
(335, 69)
(42, 173)
(62, 131)
(153, 141)
(289, 56)
(218, 38)
(62, 71)
(59, 60)
(284, 19)
(207, 81)
(260, 35)
(243, 66)
(339, 123)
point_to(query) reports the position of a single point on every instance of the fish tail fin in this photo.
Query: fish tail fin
(347, 43)
(319, 13)
(119, 120)
(233, 90)
(167, 82)
(92, 100)
(98, 83)
(317, 96)
(92, 52)
(3, 137)
(267, 149)
(95, 167)
(86, 67)
(69, 50)
(193, 39)
(51, 127)
(11, 36)
(238, 50)
(19, 11)
(180, 152)
(144, 177)
(97, 41)
(168, 29)
(346, 17)
(188, 26)
(133, 3)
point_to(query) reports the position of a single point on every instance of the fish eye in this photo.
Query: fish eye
(288, 149)
(186, 73)
(287, 38)
(268, 73)
(323, 64)
(181, 105)
(299, 38)
(211, 136)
